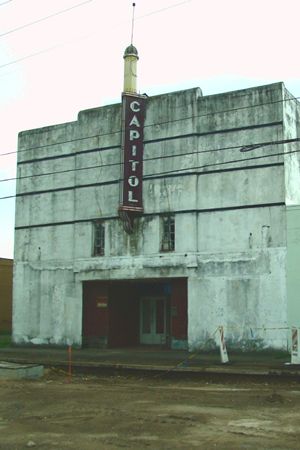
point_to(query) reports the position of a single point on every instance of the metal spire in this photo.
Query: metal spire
(132, 25)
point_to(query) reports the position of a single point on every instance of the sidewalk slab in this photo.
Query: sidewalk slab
(11, 370)
(154, 360)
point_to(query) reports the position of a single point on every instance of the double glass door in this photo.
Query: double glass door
(153, 320)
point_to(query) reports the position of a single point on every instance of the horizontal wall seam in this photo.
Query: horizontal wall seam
(210, 133)
(151, 141)
(67, 188)
(150, 178)
(161, 213)
(69, 155)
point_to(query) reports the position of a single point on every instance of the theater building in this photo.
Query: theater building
(154, 221)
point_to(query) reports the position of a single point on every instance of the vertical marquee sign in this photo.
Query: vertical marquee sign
(133, 117)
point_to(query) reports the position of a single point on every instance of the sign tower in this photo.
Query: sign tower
(133, 117)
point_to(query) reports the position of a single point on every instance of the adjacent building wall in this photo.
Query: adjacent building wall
(293, 265)
(292, 183)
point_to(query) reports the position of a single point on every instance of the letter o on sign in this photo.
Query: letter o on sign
(133, 181)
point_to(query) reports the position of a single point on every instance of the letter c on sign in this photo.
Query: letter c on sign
(135, 106)
(133, 181)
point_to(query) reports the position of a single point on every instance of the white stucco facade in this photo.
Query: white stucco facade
(229, 208)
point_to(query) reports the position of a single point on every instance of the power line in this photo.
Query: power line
(155, 158)
(60, 12)
(153, 124)
(59, 143)
(21, 27)
(46, 50)
(163, 9)
(4, 3)
(186, 169)
(183, 169)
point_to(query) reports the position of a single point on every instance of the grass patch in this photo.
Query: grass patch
(5, 340)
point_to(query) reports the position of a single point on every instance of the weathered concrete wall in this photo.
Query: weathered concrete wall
(50, 311)
(229, 211)
(246, 294)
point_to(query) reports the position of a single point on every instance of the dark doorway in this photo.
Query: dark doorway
(123, 315)
(129, 313)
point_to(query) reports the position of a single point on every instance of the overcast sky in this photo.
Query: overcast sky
(73, 60)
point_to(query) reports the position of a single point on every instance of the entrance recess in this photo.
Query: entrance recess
(127, 313)
(153, 320)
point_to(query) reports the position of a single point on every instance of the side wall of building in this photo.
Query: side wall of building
(292, 184)
(293, 264)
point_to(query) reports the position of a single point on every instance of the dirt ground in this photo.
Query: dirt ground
(118, 412)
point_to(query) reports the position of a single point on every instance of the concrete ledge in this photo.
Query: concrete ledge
(10, 370)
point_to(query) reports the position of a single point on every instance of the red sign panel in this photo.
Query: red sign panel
(132, 147)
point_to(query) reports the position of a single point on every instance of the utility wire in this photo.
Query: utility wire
(21, 27)
(153, 124)
(4, 3)
(175, 5)
(60, 12)
(155, 158)
(46, 50)
(184, 169)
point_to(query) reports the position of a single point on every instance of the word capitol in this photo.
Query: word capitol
(133, 151)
